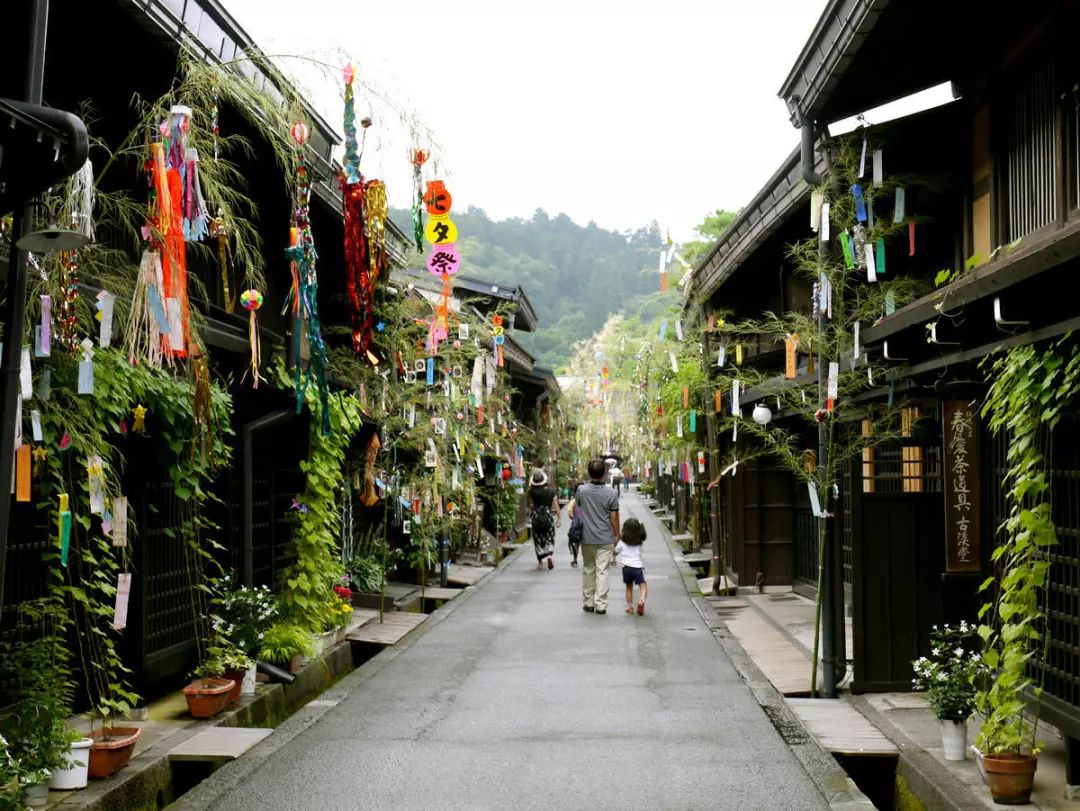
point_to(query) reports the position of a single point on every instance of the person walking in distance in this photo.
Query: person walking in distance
(598, 506)
(617, 479)
(628, 553)
(545, 517)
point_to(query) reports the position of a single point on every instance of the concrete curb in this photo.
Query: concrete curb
(927, 779)
(236, 772)
(839, 790)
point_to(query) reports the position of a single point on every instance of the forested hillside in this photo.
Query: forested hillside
(575, 276)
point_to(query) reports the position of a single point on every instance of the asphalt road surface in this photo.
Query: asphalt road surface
(519, 699)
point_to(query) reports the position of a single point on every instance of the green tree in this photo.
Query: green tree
(709, 231)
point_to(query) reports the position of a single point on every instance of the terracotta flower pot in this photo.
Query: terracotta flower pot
(1010, 777)
(111, 749)
(296, 663)
(237, 676)
(207, 697)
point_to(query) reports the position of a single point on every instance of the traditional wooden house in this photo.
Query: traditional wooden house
(255, 488)
(991, 183)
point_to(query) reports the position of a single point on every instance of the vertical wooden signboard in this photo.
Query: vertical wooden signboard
(960, 436)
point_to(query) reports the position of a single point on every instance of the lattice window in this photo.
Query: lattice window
(1030, 182)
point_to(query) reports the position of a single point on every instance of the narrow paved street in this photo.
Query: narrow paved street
(519, 699)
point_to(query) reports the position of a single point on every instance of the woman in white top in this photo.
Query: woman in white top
(628, 553)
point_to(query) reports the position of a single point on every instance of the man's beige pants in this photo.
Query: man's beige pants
(597, 558)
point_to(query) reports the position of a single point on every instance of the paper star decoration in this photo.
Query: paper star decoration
(380, 326)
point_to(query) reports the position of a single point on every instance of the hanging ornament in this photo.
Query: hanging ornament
(166, 227)
(418, 157)
(82, 202)
(139, 425)
(219, 229)
(498, 338)
(351, 164)
(251, 300)
(306, 305)
(67, 322)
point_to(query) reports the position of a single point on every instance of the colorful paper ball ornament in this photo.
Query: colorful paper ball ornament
(365, 122)
(300, 132)
(506, 473)
(251, 299)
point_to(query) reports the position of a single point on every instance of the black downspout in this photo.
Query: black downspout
(265, 421)
(806, 155)
(14, 312)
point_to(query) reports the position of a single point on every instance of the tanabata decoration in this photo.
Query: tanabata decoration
(369, 497)
(82, 200)
(67, 321)
(219, 229)
(147, 325)
(418, 157)
(498, 338)
(139, 426)
(306, 305)
(63, 528)
(252, 300)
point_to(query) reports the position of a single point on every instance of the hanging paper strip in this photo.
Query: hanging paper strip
(663, 271)
(871, 272)
(878, 174)
(717, 401)
(663, 329)
(105, 303)
(86, 368)
(845, 243)
(678, 329)
(22, 473)
(816, 199)
(119, 521)
(824, 232)
(833, 381)
(735, 410)
(63, 527)
(911, 237)
(498, 338)
(791, 343)
(44, 335)
(855, 339)
(890, 302)
(26, 381)
(862, 158)
(123, 593)
(685, 396)
(693, 422)
(738, 355)
(678, 426)
(860, 203)
(898, 206)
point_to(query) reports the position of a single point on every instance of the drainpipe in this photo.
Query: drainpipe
(14, 311)
(265, 421)
(806, 155)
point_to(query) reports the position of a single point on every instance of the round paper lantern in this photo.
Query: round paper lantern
(300, 132)
(251, 299)
(761, 414)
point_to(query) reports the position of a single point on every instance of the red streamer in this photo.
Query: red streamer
(357, 268)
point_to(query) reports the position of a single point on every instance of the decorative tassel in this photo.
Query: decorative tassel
(219, 228)
(146, 321)
(195, 220)
(418, 157)
(251, 300)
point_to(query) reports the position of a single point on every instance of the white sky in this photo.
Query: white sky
(618, 112)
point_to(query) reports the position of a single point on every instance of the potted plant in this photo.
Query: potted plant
(39, 692)
(284, 644)
(229, 662)
(948, 676)
(209, 692)
(342, 612)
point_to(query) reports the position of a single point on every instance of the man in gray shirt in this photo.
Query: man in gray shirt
(599, 509)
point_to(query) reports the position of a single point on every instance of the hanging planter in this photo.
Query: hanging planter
(111, 749)
(207, 697)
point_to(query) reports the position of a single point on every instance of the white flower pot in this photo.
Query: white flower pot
(74, 776)
(954, 739)
(247, 686)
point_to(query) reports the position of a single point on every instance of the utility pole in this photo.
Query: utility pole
(15, 311)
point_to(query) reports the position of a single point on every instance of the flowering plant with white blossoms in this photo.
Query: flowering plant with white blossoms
(948, 675)
(242, 613)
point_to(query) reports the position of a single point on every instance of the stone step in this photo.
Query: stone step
(218, 744)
